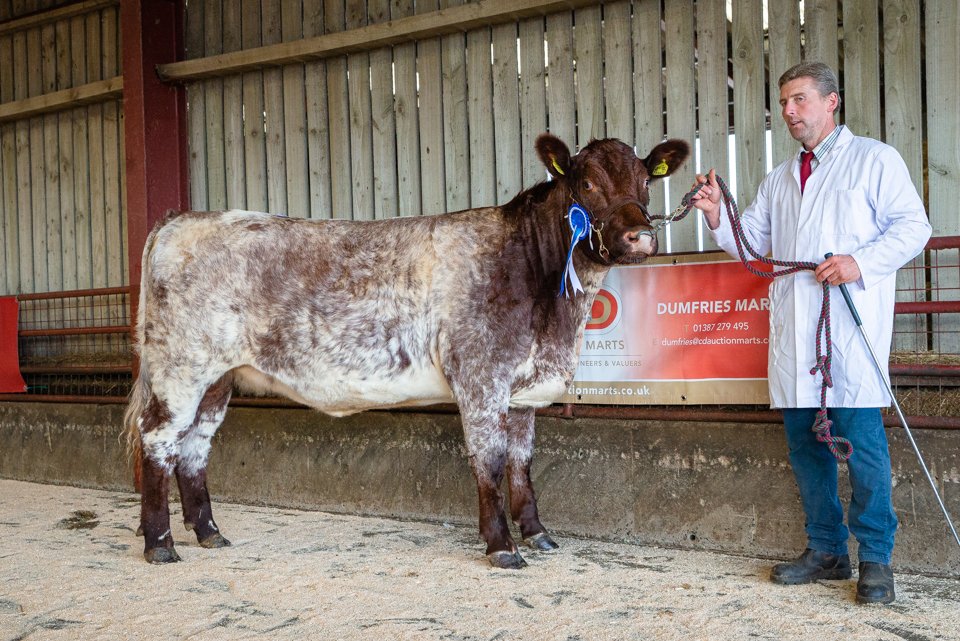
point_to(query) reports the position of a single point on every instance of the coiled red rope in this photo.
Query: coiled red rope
(840, 447)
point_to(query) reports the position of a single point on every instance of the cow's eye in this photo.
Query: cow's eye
(646, 183)
(587, 185)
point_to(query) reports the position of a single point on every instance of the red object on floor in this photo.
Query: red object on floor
(10, 379)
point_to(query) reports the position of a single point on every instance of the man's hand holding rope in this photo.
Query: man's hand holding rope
(836, 270)
(707, 198)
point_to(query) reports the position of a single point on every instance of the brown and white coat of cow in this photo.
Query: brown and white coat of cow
(345, 316)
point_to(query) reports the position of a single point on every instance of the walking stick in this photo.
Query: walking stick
(896, 405)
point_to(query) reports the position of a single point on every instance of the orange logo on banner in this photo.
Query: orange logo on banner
(604, 312)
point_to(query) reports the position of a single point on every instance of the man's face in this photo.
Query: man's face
(809, 116)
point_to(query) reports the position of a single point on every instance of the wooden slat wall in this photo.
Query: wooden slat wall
(506, 112)
(410, 128)
(449, 122)
(904, 120)
(8, 176)
(408, 119)
(430, 98)
(712, 91)
(62, 222)
(275, 126)
(748, 97)
(385, 200)
(648, 97)
(560, 109)
(784, 32)
(361, 131)
(681, 108)
(483, 182)
(456, 141)
(943, 151)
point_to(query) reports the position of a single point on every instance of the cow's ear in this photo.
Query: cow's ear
(666, 158)
(554, 154)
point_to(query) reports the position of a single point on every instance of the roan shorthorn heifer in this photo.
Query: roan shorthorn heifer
(345, 316)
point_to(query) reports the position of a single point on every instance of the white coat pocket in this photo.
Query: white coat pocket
(843, 216)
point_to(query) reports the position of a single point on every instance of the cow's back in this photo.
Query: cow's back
(341, 315)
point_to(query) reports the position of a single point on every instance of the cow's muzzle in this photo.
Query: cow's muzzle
(641, 241)
(637, 243)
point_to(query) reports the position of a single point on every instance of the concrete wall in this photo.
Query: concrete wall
(723, 487)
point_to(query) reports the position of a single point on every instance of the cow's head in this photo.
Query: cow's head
(612, 184)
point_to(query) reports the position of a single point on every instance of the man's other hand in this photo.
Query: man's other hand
(838, 270)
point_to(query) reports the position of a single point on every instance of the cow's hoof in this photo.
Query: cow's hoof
(215, 540)
(506, 560)
(161, 555)
(541, 541)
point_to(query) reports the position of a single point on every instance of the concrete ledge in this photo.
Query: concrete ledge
(721, 487)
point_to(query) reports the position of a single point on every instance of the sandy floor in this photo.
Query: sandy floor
(71, 568)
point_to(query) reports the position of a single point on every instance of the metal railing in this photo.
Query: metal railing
(75, 345)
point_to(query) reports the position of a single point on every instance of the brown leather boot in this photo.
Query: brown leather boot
(811, 566)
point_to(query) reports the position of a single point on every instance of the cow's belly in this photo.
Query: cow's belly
(539, 394)
(542, 378)
(345, 394)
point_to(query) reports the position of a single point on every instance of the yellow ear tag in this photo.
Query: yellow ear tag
(661, 169)
(556, 166)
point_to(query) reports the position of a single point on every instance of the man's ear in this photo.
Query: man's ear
(835, 99)
(666, 158)
(554, 154)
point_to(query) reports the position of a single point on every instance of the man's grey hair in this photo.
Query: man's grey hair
(820, 73)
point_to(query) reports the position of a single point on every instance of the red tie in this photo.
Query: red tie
(806, 158)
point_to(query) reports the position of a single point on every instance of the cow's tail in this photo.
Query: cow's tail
(142, 391)
(139, 397)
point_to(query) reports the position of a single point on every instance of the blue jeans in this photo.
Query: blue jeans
(872, 519)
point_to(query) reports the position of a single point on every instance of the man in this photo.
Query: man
(851, 196)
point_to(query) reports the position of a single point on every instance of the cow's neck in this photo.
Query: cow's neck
(546, 225)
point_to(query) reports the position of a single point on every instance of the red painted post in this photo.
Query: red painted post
(155, 134)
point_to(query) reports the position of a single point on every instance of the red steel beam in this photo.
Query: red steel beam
(155, 125)
(944, 242)
(75, 293)
(75, 369)
(906, 369)
(928, 307)
(75, 331)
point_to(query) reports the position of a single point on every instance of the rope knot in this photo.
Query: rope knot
(823, 366)
(840, 447)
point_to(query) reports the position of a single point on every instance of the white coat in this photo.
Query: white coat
(859, 201)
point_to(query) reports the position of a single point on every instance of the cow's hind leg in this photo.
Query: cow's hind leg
(161, 425)
(191, 467)
(486, 441)
(523, 501)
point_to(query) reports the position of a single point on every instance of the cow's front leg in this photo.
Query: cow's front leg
(523, 501)
(486, 439)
